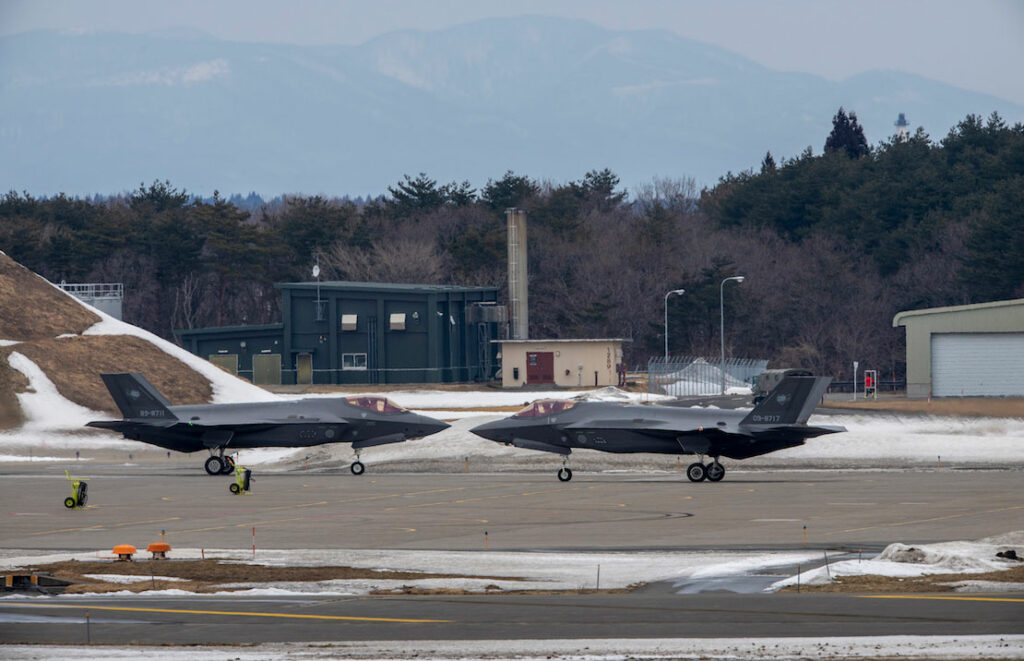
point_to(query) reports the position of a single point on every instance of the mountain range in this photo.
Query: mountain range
(550, 98)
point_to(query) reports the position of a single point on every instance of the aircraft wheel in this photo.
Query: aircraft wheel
(214, 466)
(696, 472)
(229, 465)
(69, 502)
(83, 499)
(564, 474)
(715, 471)
(357, 468)
(233, 488)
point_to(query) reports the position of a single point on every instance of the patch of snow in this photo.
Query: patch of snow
(558, 571)
(43, 407)
(122, 578)
(19, 458)
(8, 343)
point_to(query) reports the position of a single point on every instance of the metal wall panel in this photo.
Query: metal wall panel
(977, 364)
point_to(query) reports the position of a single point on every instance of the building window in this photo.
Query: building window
(353, 361)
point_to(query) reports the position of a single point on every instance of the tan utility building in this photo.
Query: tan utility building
(562, 363)
(965, 350)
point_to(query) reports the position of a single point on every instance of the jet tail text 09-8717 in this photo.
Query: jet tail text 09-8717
(777, 422)
(364, 421)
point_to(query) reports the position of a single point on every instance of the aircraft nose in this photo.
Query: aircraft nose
(426, 425)
(496, 430)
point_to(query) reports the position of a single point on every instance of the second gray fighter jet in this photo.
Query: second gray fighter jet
(558, 426)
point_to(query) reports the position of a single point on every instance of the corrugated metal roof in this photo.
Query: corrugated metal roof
(900, 316)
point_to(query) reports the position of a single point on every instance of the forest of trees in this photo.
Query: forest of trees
(831, 247)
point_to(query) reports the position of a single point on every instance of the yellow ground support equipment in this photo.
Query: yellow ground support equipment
(243, 480)
(79, 493)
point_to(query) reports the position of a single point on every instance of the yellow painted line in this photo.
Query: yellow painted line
(103, 526)
(938, 598)
(298, 616)
(285, 507)
(54, 532)
(929, 520)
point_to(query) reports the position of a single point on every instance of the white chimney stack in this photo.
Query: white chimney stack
(517, 274)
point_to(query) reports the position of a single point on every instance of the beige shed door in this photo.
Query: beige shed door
(228, 361)
(977, 364)
(266, 369)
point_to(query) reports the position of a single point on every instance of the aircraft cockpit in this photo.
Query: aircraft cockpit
(375, 404)
(545, 407)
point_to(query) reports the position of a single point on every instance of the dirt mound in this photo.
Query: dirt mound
(75, 363)
(35, 309)
(37, 315)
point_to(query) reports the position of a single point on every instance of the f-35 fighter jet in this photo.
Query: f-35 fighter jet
(363, 421)
(779, 421)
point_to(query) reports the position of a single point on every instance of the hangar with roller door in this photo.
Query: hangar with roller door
(965, 350)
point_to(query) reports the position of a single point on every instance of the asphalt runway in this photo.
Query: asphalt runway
(199, 620)
(750, 510)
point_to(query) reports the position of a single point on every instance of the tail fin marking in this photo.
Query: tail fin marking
(137, 398)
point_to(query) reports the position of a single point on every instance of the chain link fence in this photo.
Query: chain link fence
(689, 376)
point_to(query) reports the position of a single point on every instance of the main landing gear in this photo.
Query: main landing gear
(219, 464)
(712, 471)
(564, 473)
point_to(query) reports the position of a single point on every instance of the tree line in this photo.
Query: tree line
(831, 246)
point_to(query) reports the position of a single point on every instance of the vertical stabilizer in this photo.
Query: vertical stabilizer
(789, 403)
(137, 398)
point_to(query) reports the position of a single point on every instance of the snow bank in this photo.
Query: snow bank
(592, 649)
(902, 561)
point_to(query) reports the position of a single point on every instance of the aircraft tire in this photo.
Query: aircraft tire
(233, 488)
(229, 466)
(214, 466)
(715, 471)
(357, 468)
(69, 502)
(564, 474)
(696, 472)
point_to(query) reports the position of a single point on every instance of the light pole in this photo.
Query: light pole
(674, 291)
(721, 312)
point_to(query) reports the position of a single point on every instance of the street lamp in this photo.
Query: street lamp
(721, 311)
(674, 291)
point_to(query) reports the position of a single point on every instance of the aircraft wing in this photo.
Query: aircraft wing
(236, 419)
(652, 425)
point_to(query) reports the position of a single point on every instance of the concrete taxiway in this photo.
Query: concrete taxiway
(595, 511)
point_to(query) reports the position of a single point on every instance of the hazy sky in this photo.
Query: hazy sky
(976, 44)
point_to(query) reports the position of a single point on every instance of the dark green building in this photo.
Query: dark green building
(363, 332)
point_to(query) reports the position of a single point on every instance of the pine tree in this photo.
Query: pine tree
(847, 135)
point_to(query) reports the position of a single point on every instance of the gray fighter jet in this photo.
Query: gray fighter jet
(779, 421)
(364, 421)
